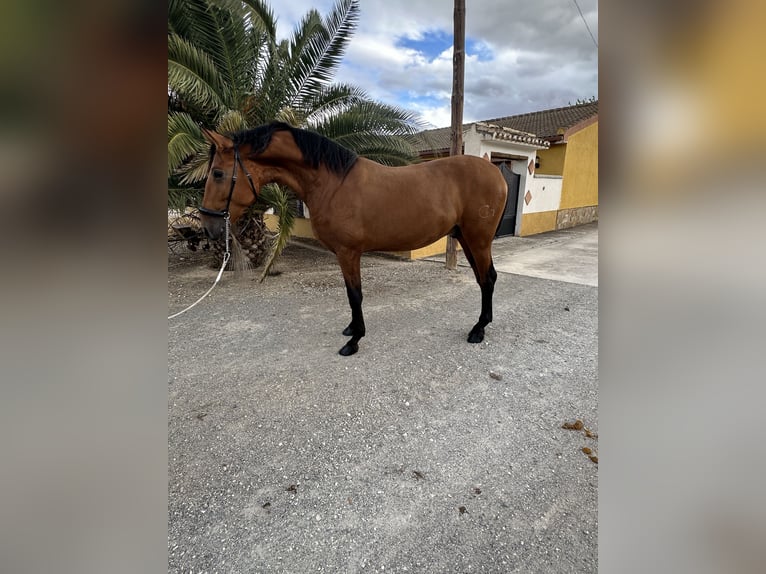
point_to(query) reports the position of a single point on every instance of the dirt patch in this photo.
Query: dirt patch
(283, 455)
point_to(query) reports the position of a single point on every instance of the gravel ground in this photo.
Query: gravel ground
(421, 453)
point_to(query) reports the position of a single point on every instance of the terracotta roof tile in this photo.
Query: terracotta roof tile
(549, 123)
(546, 124)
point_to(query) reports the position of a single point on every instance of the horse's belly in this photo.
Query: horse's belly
(405, 234)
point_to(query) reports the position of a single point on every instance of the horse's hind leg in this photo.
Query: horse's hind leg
(479, 255)
(485, 317)
(350, 265)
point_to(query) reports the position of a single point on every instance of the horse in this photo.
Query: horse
(358, 205)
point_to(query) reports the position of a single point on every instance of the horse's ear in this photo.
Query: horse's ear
(216, 139)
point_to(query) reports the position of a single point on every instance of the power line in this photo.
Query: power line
(586, 23)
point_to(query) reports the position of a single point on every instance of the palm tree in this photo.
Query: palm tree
(228, 71)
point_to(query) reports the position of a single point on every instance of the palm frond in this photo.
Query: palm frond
(340, 24)
(187, 149)
(385, 154)
(187, 17)
(387, 150)
(196, 22)
(194, 170)
(193, 75)
(181, 197)
(221, 32)
(309, 26)
(331, 100)
(231, 121)
(372, 117)
(318, 47)
(185, 140)
(274, 90)
(377, 131)
(291, 116)
(282, 200)
(262, 15)
(254, 71)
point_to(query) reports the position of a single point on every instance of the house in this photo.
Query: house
(559, 188)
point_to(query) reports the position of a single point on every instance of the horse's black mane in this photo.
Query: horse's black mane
(316, 148)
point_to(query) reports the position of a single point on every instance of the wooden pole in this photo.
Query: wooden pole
(456, 133)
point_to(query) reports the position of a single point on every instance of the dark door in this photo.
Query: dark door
(508, 222)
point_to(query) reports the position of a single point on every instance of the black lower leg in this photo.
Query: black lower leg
(485, 317)
(356, 329)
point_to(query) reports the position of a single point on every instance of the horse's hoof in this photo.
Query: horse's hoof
(349, 349)
(348, 331)
(476, 336)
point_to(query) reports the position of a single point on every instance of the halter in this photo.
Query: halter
(225, 212)
(225, 215)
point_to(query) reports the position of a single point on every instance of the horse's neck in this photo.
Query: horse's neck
(286, 166)
(305, 182)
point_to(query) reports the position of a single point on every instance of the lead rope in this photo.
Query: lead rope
(226, 257)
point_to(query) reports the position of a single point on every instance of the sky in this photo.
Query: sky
(521, 56)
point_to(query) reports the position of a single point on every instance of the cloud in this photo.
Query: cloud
(521, 57)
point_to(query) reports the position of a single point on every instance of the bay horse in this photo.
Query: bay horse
(358, 205)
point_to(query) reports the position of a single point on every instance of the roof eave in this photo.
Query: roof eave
(581, 125)
(509, 134)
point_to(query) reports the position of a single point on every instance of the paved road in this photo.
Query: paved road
(568, 255)
(421, 453)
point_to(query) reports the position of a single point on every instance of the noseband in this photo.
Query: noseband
(225, 212)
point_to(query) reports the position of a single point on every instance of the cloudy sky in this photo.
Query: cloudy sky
(521, 56)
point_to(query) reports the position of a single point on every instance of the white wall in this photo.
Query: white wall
(545, 191)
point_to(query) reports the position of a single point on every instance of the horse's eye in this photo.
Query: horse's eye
(217, 174)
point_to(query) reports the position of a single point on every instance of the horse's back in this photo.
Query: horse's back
(399, 208)
(473, 182)
(463, 173)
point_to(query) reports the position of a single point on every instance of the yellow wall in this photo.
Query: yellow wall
(301, 228)
(580, 178)
(436, 248)
(551, 160)
(539, 222)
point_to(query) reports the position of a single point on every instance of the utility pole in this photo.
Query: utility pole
(458, 75)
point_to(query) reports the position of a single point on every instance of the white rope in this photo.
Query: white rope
(226, 257)
(217, 279)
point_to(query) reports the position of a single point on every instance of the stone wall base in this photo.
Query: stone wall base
(576, 216)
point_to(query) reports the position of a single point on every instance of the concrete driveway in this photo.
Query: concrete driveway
(421, 453)
(569, 255)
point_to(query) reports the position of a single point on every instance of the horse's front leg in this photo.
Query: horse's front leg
(350, 265)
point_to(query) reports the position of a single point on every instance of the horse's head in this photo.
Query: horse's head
(230, 187)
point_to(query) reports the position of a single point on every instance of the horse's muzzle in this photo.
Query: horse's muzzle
(213, 226)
